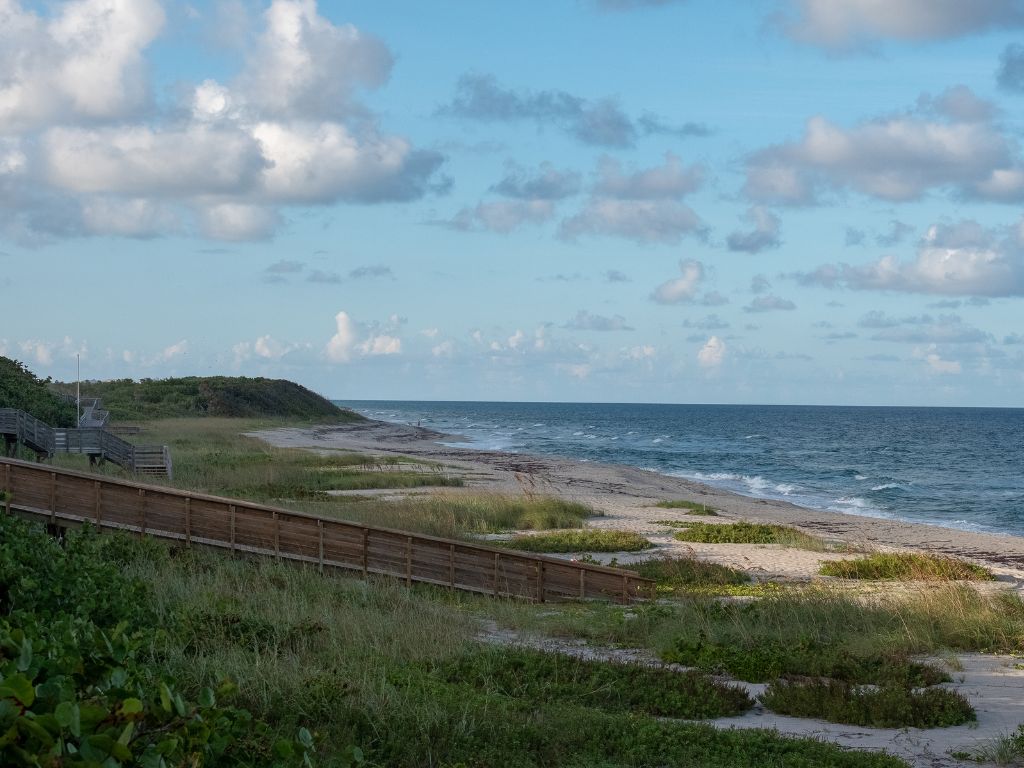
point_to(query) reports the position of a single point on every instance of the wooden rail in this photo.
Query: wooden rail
(64, 497)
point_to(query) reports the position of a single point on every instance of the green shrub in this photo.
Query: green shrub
(21, 389)
(886, 707)
(906, 566)
(691, 507)
(580, 540)
(678, 573)
(554, 678)
(750, 533)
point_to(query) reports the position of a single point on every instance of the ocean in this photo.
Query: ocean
(956, 467)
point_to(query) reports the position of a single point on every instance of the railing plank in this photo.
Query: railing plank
(237, 525)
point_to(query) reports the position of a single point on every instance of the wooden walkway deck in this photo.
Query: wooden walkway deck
(65, 498)
(96, 442)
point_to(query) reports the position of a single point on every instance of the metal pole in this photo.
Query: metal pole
(78, 392)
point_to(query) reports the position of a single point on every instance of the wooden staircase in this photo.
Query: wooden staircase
(97, 443)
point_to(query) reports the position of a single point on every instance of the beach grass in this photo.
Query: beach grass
(874, 707)
(753, 533)
(677, 573)
(546, 678)
(397, 672)
(691, 507)
(579, 540)
(906, 566)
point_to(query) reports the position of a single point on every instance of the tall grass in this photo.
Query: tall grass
(906, 566)
(754, 533)
(580, 540)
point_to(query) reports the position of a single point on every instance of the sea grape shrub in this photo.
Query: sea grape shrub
(77, 681)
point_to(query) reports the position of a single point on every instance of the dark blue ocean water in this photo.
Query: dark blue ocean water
(957, 467)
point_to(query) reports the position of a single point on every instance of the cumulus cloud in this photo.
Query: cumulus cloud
(600, 122)
(764, 235)
(547, 183)
(712, 354)
(585, 321)
(501, 216)
(896, 158)
(898, 232)
(88, 152)
(341, 345)
(958, 259)
(671, 180)
(935, 362)
(842, 25)
(351, 339)
(769, 303)
(83, 62)
(643, 221)
(682, 288)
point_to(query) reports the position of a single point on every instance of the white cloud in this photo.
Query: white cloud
(340, 346)
(444, 349)
(670, 181)
(712, 354)
(960, 259)
(305, 66)
(935, 362)
(351, 338)
(682, 288)
(894, 158)
(502, 216)
(237, 221)
(640, 352)
(83, 62)
(173, 351)
(847, 24)
(764, 235)
(645, 221)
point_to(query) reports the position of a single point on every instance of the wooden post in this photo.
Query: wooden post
(451, 565)
(583, 583)
(97, 493)
(408, 561)
(142, 511)
(320, 530)
(7, 477)
(540, 581)
(366, 552)
(188, 521)
(53, 498)
(277, 535)
(625, 590)
(231, 512)
(497, 556)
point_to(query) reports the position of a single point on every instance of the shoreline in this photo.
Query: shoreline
(626, 495)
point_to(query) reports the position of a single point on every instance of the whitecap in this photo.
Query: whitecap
(860, 477)
(886, 486)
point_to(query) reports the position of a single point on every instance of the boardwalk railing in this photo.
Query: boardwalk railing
(19, 427)
(63, 497)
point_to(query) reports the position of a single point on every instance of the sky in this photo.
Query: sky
(689, 201)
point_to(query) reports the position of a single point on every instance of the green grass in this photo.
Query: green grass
(691, 507)
(681, 573)
(905, 566)
(397, 672)
(752, 533)
(552, 678)
(885, 707)
(579, 540)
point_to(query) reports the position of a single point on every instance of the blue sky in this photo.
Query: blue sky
(775, 201)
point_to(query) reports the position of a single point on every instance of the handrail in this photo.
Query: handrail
(71, 497)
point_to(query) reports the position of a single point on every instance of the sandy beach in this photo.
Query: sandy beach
(626, 496)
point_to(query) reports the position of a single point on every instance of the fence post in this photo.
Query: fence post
(231, 512)
(142, 511)
(97, 505)
(583, 582)
(366, 552)
(497, 556)
(53, 498)
(188, 521)
(451, 565)
(540, 582)
(277, 535)
(320, 531)
(625, 590)
(408, 561)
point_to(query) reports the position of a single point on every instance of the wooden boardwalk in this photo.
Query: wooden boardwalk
(65, 498)
(96, 442)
